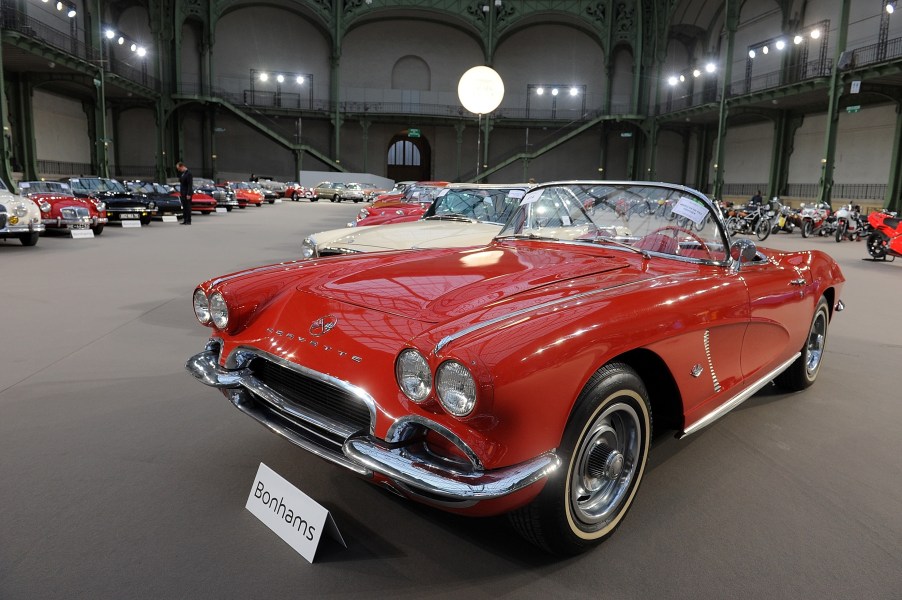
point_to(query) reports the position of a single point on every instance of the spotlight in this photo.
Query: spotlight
(574, 91)
(280, 78)
(797, 40)
(554, 91)
(71, 14)
(891, 7)
(59, 6)
(815, 34)
(781, 44)
(540, 91)
(121, 40)
(752, 54)
(710, 67)
(696, 72)
(300, 79)
(672, 80)
(142, 52)
(682, 78)
(133, 47)
(765, 50)
(264, 76)
(110, 34)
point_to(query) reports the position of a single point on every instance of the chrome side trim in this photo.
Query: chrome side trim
(738, 398)
(392, 462)
(714, 380)
(483, 324)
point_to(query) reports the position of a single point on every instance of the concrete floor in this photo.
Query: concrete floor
(122, 477)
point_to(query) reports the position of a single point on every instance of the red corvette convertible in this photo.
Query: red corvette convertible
(60, 209)
(524, 376)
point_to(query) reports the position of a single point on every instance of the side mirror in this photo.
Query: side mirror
(742, 251)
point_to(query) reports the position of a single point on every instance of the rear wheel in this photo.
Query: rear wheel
(877, 245)
(804, 370)
(762, 230)
(604, 451)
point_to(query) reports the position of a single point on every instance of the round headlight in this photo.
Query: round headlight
(308, 248)
(414, 377)
(219, 311)
(456, 388)
(45, 206)
(151, 206)
(201, 306)
(364, 213)
(21, 210)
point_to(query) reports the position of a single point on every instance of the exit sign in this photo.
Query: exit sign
(626, 134)
(853, 109)
(412, 132)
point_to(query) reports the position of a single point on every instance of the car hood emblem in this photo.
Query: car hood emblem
(323, 325)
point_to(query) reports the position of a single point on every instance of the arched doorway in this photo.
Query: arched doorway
(409, 158)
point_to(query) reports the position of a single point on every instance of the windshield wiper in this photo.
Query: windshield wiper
(450, 218)
(528, 236)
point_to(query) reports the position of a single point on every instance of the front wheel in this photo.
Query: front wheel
(802, 373)
(29, 239)
(604, 451)
(97, 229)
(841, 231)
(807, 229)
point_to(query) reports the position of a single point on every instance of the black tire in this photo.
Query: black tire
(807, 228)
(604, 450)
(294, 196)
(840, 231)
(877, 245)
(271, 201)
(336, 198)
(228, 209)
(29, 239)
(145, 221)
(802, 373)
(242, 207)
(763, 229)
(97, 229)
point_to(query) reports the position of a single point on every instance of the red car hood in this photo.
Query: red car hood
(434, 286)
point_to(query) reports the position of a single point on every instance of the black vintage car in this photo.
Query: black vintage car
(120, 204)
(161, 195)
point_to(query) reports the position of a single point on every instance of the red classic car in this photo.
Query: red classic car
(200, 202)
(60, 209)
(246, 193)
(409, 206)
(522, 376)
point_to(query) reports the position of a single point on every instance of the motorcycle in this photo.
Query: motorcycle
(817, 219)
(849, 223)
(749, 220)
(783, 221)
(885, 238)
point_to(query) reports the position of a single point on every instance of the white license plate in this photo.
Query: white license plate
(79, 226)
(129, 216)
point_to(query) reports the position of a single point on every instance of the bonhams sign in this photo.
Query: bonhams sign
(295, 517)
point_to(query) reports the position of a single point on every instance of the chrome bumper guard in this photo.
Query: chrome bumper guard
(22, 228)
(366, 454)
(88, 222)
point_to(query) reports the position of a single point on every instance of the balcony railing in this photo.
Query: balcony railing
(14, 20)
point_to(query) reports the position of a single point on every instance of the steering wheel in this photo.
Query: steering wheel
(691, 234)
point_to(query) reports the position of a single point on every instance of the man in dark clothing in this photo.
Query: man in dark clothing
(186, 190)
(756, 199)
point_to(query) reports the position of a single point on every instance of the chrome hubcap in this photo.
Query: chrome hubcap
(817, 339)
(606, 463)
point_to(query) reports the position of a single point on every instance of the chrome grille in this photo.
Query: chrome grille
(313, 395)
(75, 212)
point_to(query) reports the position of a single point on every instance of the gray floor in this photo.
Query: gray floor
(124, 478)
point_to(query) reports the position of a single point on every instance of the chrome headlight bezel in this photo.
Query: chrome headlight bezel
(413, 375)
(219, 311)
(151, 206)
(201, 307)
(44, 205)
(456, 388)
(308, 248)
(20, 210)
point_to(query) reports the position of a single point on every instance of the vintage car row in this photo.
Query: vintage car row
(409, 205)
(463, 214)
(21, 217)
(121, 205)
(523, 376)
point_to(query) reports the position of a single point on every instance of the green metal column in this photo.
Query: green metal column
(825, 186)
(785, 128)
(459, 129)
(732, 25)
(23, 91)
(99, 138)
(335, 79)
(6, 138)
(365, 125)
(893, 198)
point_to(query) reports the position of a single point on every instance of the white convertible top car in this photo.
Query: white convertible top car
(463, 214)
(23, 217)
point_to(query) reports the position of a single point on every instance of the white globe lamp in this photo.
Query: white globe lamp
(480, 90)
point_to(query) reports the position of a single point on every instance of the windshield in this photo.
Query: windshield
(421, 194)
(485, 205)
(141, 187)
(647, 217)
(94, 184)
(43, 187)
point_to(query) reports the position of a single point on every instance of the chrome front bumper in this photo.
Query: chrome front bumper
(21, 228)
(367, 454)
(60, 222)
